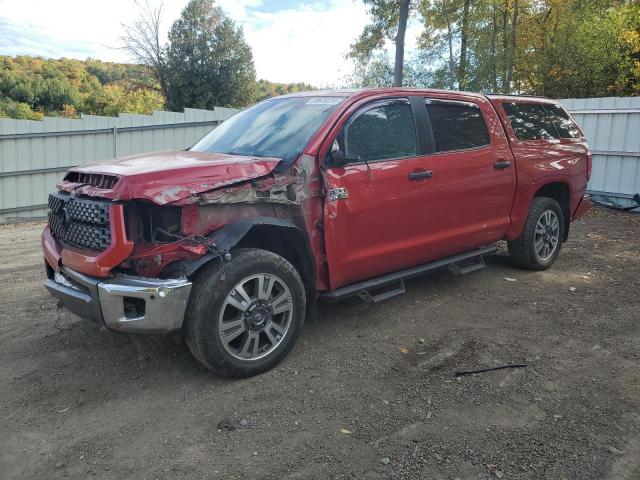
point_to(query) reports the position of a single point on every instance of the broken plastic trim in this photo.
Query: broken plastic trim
(224, 239)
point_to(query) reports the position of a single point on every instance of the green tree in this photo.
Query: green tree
(371, 72)
(68, 87)
(209, 63)
(118, 97)
(266, 89)
(389, 22)
(378, 71)
(557, 48)
(143, 40)
(22, 111)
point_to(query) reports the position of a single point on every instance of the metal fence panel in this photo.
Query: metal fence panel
(34, 154)
(612, 127)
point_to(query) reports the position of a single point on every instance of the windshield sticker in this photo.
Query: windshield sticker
(323, 101)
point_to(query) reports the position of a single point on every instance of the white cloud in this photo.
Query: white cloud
(306, 42)
(71, 28)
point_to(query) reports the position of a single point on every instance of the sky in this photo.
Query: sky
(292, 40)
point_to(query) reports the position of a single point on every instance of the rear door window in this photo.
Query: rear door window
(563, 123)
(456, 125)
(384, 131)
(529, 121)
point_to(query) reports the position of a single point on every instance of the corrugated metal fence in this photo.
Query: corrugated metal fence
(33, 154)
(612, 127)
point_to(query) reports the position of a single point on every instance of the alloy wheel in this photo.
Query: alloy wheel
(255, 316)
(547, 235)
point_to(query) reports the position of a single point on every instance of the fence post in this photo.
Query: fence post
(115, 142)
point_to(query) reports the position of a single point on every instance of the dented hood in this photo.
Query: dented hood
(165, 177)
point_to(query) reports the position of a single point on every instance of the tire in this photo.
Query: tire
(235, 330)
(526, 251)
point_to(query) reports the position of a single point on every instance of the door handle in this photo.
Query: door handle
(501, 164)
(420, 175)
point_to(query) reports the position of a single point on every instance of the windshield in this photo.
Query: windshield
(279, 127)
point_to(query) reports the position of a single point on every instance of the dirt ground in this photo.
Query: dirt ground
(368, 392)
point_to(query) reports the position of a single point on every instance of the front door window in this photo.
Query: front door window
(382, 132)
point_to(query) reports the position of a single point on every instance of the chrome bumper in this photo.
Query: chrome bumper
(123, 302)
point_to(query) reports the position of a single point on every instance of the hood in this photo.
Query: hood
(164, 177)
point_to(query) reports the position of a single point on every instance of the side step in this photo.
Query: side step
(462, 268)
(393, 292)
(459, 264)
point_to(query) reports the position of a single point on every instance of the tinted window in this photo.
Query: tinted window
(386, 131)
(529, 121)
(456, 125)
(280, 127)
(560, 119)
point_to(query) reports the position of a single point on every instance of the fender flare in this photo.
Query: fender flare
(522, 205)
(228, 236)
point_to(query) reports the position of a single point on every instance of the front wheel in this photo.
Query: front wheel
(541, 239)
(245, 316)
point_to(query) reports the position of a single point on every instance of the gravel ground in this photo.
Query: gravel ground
(368, 392)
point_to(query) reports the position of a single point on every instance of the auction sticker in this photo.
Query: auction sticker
(323, 101)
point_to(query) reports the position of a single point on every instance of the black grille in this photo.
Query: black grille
(79, 222)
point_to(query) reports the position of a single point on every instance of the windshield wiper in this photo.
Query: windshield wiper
(245, 154)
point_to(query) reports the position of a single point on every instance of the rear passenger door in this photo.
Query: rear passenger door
(473, 173)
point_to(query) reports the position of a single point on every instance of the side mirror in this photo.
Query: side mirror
(338, 158)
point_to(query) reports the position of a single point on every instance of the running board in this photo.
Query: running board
(460, 264)
(393, 292)
(475, 263)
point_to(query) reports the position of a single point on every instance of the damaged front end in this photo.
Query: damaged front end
(115, 243)
(119, 230)
(167, 237)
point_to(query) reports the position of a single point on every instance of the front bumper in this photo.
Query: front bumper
(122, 302)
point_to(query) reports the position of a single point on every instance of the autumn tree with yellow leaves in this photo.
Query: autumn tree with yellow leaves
(555, 48)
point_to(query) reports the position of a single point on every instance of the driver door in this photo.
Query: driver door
(375, 206)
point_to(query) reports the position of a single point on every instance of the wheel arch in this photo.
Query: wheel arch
(267, 233)
(561, 193)
(285, 240)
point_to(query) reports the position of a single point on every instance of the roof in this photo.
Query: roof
(337, 92)
(351, 92)
(503, 97)
(365, 92)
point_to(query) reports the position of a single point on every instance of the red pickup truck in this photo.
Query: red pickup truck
(325, 194)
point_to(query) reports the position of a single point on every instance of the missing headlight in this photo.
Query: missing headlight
(154, 221)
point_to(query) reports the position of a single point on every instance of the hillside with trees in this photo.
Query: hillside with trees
(266, 89)
(32, 87)
(205, 63)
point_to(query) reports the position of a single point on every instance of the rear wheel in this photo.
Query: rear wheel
(244, 318)
(541, 239)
